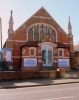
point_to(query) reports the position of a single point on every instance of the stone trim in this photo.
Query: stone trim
(48, 43)
(31, 56)
(39, 60)
(61, 57)
(42, 17)
(55, 61)
(16, 40)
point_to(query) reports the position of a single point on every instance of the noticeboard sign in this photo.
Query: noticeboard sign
(30, 62)
(63, 62)
(6, 54)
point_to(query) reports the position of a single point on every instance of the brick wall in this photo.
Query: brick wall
(13, 75)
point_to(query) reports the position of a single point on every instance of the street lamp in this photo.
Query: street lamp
(1, 32)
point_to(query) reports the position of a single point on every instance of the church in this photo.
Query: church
(40, 43)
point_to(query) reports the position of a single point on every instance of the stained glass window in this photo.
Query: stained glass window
(38, 32)
(53, 36)
(36, 35)
(42, 35)
(30, 34)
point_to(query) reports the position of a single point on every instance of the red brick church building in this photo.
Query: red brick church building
(40, 43)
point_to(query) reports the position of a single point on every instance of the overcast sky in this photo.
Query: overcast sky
(23, 9)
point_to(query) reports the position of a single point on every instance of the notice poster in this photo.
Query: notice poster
(63, 62)
(6, 54)
(30, 62)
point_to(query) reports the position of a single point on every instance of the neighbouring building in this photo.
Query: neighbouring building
(76, 54)
(40, 43)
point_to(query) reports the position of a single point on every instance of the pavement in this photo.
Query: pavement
(35, 82)
(69, 78)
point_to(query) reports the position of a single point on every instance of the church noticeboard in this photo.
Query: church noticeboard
(6, 54)
(30, 62)
(63, 62)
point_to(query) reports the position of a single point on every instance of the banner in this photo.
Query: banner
(30, 62)
(63, 62)
(6, 54)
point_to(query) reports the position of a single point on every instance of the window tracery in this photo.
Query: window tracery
(38, 31)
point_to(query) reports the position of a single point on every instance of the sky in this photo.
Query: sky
(60, 10)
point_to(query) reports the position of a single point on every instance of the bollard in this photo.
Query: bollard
(57, 74)
(62, 73)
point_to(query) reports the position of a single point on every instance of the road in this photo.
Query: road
(52, 92)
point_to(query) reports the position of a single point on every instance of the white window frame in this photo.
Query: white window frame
(34, 51)
(62, 52)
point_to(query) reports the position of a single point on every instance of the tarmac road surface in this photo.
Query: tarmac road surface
(51, 92)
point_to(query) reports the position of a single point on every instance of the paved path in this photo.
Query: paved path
(70, 77)
(35, 82)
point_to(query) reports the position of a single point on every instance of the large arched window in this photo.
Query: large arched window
(38, 31)
(42, 35)
(30, 34)
(36, 35)
(53, 36)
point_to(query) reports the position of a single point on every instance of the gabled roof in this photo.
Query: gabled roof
(42, 12)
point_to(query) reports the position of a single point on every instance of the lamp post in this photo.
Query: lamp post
(1, 32)
(1, 41)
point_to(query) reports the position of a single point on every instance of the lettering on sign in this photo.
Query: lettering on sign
(30, 62)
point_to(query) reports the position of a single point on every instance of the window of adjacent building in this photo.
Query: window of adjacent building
(60, 52)
(30, 34)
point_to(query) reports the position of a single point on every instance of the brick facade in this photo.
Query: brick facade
(18, 41)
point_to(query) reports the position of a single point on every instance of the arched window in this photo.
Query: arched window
(38, 31)
(42, 35)
(30, 34)
(36, 35)
(53, 36)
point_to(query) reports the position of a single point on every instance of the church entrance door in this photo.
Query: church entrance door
(47, 55)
